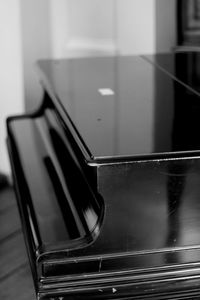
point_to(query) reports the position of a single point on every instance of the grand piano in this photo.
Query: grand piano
(107, 177)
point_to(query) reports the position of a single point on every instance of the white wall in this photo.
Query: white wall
(59, 26)
(165, 25)
(120, 26)
(136, 26)
(91, 18)
(11, 73)
(36, 43)
(146, 26)
(91, 27)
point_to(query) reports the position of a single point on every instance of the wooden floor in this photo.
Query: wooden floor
(15, 275)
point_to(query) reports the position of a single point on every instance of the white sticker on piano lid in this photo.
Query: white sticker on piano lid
(106, 92)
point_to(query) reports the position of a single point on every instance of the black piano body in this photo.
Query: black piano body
(107, 177)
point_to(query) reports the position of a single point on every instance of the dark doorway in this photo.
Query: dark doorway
(188, 22)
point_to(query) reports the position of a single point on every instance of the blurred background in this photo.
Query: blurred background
(35, 29)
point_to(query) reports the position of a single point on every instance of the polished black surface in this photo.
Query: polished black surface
(150, 228)
(184, 66)
(148, 206)
(61, 198)
(126, 229)
(145, 113)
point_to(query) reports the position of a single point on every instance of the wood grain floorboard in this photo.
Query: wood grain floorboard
(9, 223)
(18, 286)
(12, 251)
(15, 274)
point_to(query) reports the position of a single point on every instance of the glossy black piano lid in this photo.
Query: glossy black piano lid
(183, 65)
(125, 106)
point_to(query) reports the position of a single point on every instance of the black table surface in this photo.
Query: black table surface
(125, 106)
